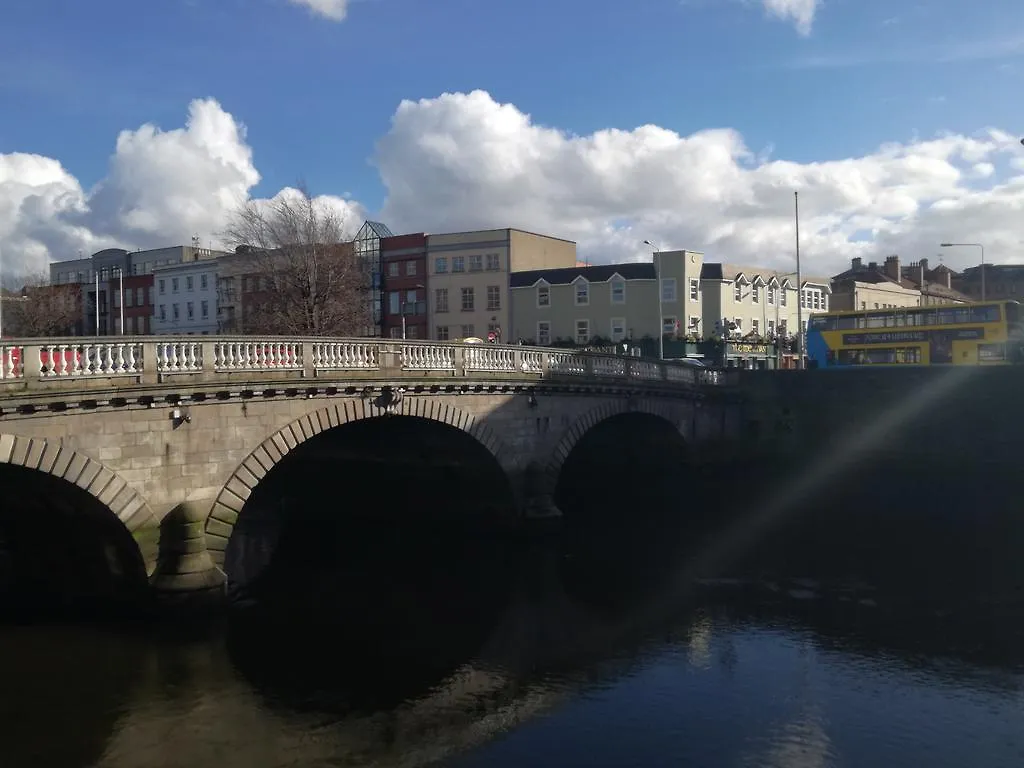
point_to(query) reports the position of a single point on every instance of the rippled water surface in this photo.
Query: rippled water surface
(553, 658)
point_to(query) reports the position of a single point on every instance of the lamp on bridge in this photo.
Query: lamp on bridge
(179, 417)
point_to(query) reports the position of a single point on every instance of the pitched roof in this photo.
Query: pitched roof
(600, 273)
(731, 272)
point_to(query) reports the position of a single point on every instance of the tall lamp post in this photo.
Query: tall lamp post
(120, 278)
(972, 245)
(661, 316)
(801, 337)
(405, 305)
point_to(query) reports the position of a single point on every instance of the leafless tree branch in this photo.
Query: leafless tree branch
(40, 309)
(310, 281)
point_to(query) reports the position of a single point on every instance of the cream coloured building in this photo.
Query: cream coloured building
(469, 277)
(608, 302)
(743, 300)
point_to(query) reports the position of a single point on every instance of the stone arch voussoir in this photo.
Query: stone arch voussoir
(56, 458)
(551, 469)
(236, 491)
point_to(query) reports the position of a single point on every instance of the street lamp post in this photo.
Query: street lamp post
(972, 245)
(801, 337)
(405, 306)
(120, 278)
(661, 316)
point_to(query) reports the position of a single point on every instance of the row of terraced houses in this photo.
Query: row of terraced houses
(511, 285)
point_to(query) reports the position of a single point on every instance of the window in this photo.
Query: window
(440, 265)
(175, 312)
(582, 292)
(694, 323)
(441, 333)
(738, 322)
(737, 292)
(394, 302)
(396, 332)
(493, 298)
(162, 286)
(618, 291)
(203, 282)
(412, 332)
(543, 295)
(618, 328)
(771, 327)
(476, 263)
(782, 297)
(544, 333)
(458, 264)
(129, 298)
(151, 302)
(468, 301)
(669, 325)
(467, 331)
(440, 299)
(582, 331)
(204, 308)
(174, 285)
(140, 297)
(694, 289)
(771, 295)
(755, 327)
(163, 313)
(493, 262)
(755, 294)
(393, 269)
(191, 307)
(668, 289)
(411, 269)
(189, 284)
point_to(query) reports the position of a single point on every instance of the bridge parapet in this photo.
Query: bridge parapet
(140, 360)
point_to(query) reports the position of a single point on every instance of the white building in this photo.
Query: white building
(185, 298)
(758, 301)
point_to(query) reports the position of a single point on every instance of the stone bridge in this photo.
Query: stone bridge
(170, 436)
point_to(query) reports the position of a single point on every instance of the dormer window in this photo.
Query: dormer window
(582, 293)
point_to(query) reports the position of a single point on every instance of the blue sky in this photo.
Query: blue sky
(316, 95)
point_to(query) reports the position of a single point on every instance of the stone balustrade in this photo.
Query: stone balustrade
(154, 359)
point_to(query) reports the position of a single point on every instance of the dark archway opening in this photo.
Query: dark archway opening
(634, 504)
(62, 552)
(375, 557)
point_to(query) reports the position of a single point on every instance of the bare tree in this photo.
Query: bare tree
(41, 309)
(308, 279)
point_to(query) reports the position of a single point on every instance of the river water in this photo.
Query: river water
(604, 648)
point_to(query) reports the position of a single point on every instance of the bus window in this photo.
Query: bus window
(846, 323)
(888, 356)
(984, 314)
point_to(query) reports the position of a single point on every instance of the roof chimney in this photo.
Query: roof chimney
(856, 263)
(892, 268)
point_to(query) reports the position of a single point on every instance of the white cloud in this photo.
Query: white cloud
(463, 161)
(335, 10)
(800, 12)
(162, 187)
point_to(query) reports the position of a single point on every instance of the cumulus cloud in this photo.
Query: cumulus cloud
(464, 161)
(799, 12)
(162, 187)
(335, 10)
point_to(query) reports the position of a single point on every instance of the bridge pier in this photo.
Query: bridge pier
(184, 566)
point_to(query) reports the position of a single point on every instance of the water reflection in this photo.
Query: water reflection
(413, 648)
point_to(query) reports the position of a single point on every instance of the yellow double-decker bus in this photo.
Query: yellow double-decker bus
(987, 333)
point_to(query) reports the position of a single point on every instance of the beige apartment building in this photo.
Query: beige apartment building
(608, 302)
(469, 278)
(743, 300)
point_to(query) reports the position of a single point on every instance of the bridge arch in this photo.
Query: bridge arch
(220, 523)
(56, 459)
(678, 417)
